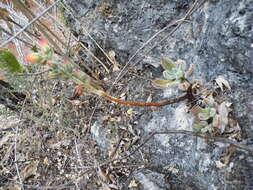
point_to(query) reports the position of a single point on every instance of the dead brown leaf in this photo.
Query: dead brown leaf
(30, 170)
(4, 15)
(103, 176)
(221, 81)
(112, 55)
(133, 184)
(229, 153)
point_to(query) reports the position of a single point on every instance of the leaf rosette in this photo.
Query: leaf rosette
(175, 74)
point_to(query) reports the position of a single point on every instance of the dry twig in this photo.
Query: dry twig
(189, 133)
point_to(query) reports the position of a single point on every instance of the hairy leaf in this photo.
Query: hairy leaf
(209, 100)
(207, 113)
(181, 64)
(204, 116)
(199, 125)
(169, 75)
(179, 74)
(9, 61)
(207, 128)
(167, 64)
(159, 83)
(221, 81)
(217, 121)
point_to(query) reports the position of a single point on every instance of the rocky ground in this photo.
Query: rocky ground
(78, 152)
(217, 39)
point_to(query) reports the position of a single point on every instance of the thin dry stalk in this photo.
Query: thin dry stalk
(85, 48)
(27, 25)
(88, 34)
(184, 132)
(22, 40)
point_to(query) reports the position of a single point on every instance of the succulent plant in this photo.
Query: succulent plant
(175, 74)
(213, 115)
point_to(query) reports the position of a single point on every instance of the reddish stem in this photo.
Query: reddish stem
(145, 104)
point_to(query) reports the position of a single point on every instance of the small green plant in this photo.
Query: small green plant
(175, 74)
(213, 113)
(210, 115)
(67, 71)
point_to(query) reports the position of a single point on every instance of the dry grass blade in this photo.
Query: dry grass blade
(178, 23)
(184, 132)
(29, 24)
(22, 40)
(107, 56)
(81, 44)
(40, 25)
(97, 59)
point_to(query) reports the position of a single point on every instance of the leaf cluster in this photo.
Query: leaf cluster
(211, 115)
(175, 74)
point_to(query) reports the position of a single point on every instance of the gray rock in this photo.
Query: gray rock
(150, 180)
(218, 41)
(99, 135)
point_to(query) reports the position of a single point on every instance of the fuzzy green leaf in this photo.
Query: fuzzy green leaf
(181, 65)
(223, 110)
(204, 116)
(206, 113)
(212, 112)
(159, 83)
(167, 64)
(209, 101)
(169, 75)
(9, 61)
(206, 129)
(217, 121)
(199, 125)
(179, 74)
